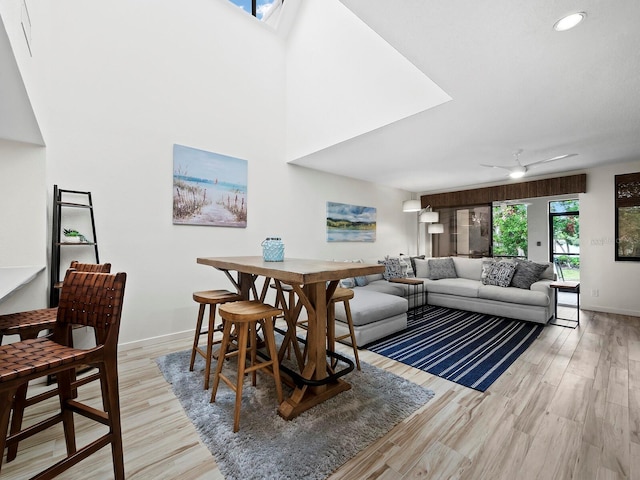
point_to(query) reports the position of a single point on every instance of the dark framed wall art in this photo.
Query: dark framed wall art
(627, 217)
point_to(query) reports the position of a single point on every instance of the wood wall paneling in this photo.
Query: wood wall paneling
(511, 191)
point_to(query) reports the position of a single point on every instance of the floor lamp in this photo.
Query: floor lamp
(424, 215)
(435, 228)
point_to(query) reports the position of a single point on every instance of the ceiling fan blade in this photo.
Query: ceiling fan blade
(496, 166)
(552, 159)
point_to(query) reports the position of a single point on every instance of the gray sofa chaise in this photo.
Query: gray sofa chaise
(379, 307)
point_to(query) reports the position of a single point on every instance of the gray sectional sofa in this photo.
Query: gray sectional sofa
(379, 307)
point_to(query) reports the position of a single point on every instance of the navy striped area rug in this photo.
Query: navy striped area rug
(471, 349)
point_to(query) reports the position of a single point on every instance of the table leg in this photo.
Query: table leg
(314, 297)
(571, 323)
(318, 332)
(291, 314)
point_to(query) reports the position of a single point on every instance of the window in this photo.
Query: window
(510, 230)
(564, 238)
(257, 8)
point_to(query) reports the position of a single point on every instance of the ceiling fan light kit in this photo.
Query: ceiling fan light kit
(518, 172)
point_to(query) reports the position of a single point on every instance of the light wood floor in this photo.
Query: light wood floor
(569, 407)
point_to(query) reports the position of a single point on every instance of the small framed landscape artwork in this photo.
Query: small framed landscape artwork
(350, 223)
(208, 188)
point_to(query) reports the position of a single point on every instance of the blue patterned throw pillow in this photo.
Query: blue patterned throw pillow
(392, 268)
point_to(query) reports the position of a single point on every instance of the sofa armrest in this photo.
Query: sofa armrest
(543, 286)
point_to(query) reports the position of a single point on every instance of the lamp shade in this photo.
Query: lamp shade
(429, 217)
(411, 206)
(435, 228)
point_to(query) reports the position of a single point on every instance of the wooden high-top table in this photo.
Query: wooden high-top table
(314, 281)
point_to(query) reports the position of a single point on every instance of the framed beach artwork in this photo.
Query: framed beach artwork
(208, 188)
(350, 223)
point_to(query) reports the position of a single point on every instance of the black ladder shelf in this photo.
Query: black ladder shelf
(59, 204)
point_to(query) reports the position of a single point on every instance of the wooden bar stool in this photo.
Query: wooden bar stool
(28, 325)
(211, 298)
(245, 316)
(341, 295)
(87, 299)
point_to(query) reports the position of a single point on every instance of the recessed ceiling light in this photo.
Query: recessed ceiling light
(570, 21)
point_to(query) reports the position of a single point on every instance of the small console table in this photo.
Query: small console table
(571, 287)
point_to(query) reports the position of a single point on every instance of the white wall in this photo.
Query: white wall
(538, 225)
(617, 283)
(23, 219)
(125, 82)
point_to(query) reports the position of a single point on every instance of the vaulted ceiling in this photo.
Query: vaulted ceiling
(496, 79)
(515, 84)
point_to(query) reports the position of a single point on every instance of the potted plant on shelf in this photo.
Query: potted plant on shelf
(73, 236)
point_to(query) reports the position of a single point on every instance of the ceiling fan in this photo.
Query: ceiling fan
(519, 170)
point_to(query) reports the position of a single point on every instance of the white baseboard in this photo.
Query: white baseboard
(603, 309)
(171, 337)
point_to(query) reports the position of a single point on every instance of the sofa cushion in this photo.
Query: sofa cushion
(373, 277)
(361, 281)
(500, 274)
(370, 306)
(527, 273)
(441, 268)
(422, 267)
(470, 268)
(413, 261)
(453, 286)
(390, 288)
(513, 295)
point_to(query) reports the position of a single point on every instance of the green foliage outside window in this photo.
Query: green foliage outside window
(510, 237)
(566, 230)
(564, 206)
(629, 231)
